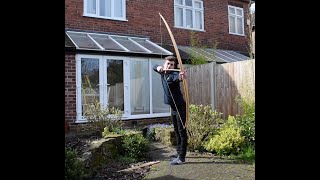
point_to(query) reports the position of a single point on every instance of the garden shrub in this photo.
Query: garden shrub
(247, 103)
(135, 146)
(227, 140)
(248, 127)
(100, 118)
(119, 131)
(202, 123)
(74, 168)
(247, 119)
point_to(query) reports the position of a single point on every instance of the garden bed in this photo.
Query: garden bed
(109, 170)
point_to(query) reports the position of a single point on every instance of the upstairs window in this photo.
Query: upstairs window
(236, 20)
(189, 14)
(108, 9)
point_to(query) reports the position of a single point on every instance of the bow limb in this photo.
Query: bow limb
(184, 81)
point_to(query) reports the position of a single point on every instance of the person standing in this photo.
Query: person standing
(170, 79)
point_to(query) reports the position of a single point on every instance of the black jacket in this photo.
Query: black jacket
(171, 80)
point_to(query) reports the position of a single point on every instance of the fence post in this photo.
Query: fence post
(213, 85)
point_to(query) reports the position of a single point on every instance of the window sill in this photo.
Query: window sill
(100, 17)
(192, 29)
(236, 34)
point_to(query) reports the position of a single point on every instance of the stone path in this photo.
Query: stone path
(197, 166)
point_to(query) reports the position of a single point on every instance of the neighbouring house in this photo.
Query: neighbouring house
(252, 25)
(111, 45)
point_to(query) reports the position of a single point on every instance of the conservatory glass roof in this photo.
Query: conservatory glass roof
(115, 43)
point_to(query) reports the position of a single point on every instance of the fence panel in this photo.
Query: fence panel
(219, 85)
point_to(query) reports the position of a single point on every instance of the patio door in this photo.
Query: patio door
(100, 78)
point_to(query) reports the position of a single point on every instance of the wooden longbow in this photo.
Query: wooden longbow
(184, 81)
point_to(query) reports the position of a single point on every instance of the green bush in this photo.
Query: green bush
(119, 130)
(74, 168)
(247, 119)
(247, 122)
(247, 153)
(197, 59)
(135, 146)
(228, 139)
(247, 116)
(202, 123)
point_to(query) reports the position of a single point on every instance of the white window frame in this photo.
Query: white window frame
(236, 19)
(193, 9)
(96, 15)
(103, 86)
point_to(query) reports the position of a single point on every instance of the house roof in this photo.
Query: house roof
(183, 54)
(113, 43)
(218, 55)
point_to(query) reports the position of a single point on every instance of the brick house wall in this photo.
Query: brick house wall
(70, 90)
(144, 20)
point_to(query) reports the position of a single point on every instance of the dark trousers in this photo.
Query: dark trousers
(181, 133)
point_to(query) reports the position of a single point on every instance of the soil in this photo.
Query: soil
(109, 170)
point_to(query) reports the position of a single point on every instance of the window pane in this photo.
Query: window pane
(83, 41)
(124, 41)
(91, 6)
(231, 10)
(179, 17)
(108, 8)
(105, 8)
(148, 45)
(189, 18)
(198, 23)
(197, 4)
(102, 7)
(115, 84)
(89, 82)
(158, 105)
(117, 8)
(232, 24)
(106, 42)
(139, 87)
(179, 2)
(189, 3)
(239, 25)
(239, 12)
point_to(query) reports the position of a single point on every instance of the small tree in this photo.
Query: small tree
(101, 117)
(195, 56)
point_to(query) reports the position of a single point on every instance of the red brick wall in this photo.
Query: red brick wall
(144, 20)
(145, 122)
(70, 90)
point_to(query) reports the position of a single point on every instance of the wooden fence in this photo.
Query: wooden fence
(219, 85)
